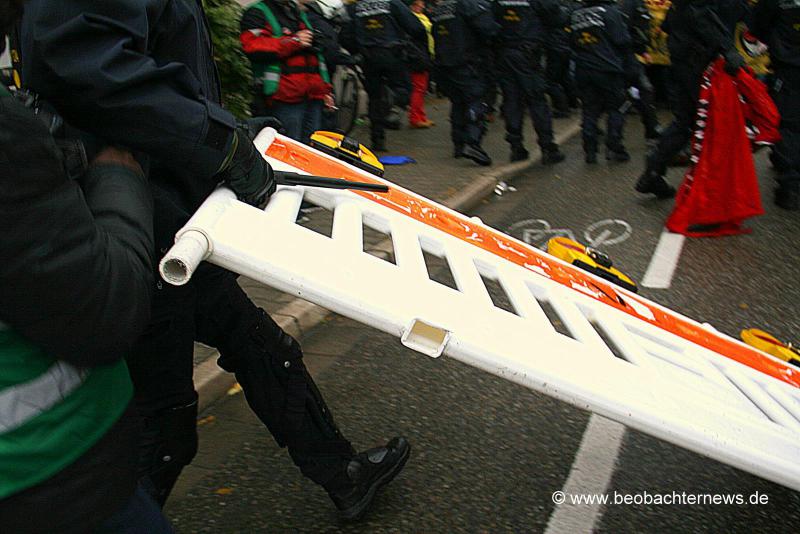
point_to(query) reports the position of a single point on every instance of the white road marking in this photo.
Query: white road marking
(664, 261)
(590, 475)
(612, 232)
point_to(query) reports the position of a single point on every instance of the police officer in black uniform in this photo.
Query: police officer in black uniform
(141, 74)
(560, 85)
(378, 30)
(699, 31)
(777, 23)
(462, 30)
(601, 41)
(525, 25)
(638, 19)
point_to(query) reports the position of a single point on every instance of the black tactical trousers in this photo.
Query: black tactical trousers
(785, 91)
(602, 92)
(523, 85)
(636, 76)
(214, 310)
(465, 86)
(684, 89)
(384, 68)
(559, 82)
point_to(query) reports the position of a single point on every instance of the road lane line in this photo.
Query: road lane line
(590, 475)
(664, 261)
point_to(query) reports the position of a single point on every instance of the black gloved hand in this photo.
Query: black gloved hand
(733, 62)
(254, 126)
(247, 173)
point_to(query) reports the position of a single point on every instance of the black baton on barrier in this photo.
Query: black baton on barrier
(293, 178)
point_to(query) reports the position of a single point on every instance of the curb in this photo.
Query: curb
(300, 316)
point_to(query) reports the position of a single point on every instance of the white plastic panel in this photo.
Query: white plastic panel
(557, 341)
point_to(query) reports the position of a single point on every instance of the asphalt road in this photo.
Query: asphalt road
(488, 454)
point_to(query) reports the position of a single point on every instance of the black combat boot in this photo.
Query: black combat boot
(378, 145)
(618, 154)
(652, 182)
(353, 490)
(458, 151)
(477, 154)
(518, 153)
(552, 155)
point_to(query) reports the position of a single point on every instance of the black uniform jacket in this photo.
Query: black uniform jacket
(777, 23)
(139, 73)
(75, 258)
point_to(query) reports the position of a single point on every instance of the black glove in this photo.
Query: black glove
(247, 173)
(254, 126)
(733, 62)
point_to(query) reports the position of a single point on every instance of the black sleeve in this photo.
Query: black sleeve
(618, 32)
(669, 19)
(92, 61)
(637, 17)
(347, 37)
(479, 15)
(76, 276)
(552, 14)
(710, 30)
(408, 21)
(763, 19)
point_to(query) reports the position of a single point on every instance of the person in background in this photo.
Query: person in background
(462, 33)
(77, 247)
(777, 23)
(327, 17)
(377, 31)
(560, 86)
(420, 65)
(601, 42)
(292, 82)
(638, 18)
(698, 32)
(524, 28)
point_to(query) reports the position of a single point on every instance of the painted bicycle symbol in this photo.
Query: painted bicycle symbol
(537, 232)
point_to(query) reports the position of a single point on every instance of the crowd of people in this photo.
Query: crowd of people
(115, 135)
(546, 56)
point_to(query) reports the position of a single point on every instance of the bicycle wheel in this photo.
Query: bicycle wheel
(347, 101)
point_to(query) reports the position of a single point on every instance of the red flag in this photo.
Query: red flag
(720, 189)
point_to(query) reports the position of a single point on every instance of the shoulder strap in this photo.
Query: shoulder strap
(272, 20)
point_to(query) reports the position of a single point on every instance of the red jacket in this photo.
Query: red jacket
(259, 45)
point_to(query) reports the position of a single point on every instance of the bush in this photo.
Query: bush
(233, 65)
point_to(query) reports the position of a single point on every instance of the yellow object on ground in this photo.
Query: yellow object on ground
(771, 345)
(347, 149)
(589, 259)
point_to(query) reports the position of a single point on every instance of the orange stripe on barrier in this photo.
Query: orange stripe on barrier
(302, 157)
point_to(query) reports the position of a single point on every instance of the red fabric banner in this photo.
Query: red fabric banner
(720, 189)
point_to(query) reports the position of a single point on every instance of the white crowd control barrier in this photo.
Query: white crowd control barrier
(562, 332)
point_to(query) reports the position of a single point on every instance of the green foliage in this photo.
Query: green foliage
(233, 65)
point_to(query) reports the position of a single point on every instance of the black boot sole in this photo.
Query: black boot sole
(358, 510)
(477, 157)
(661, 193)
